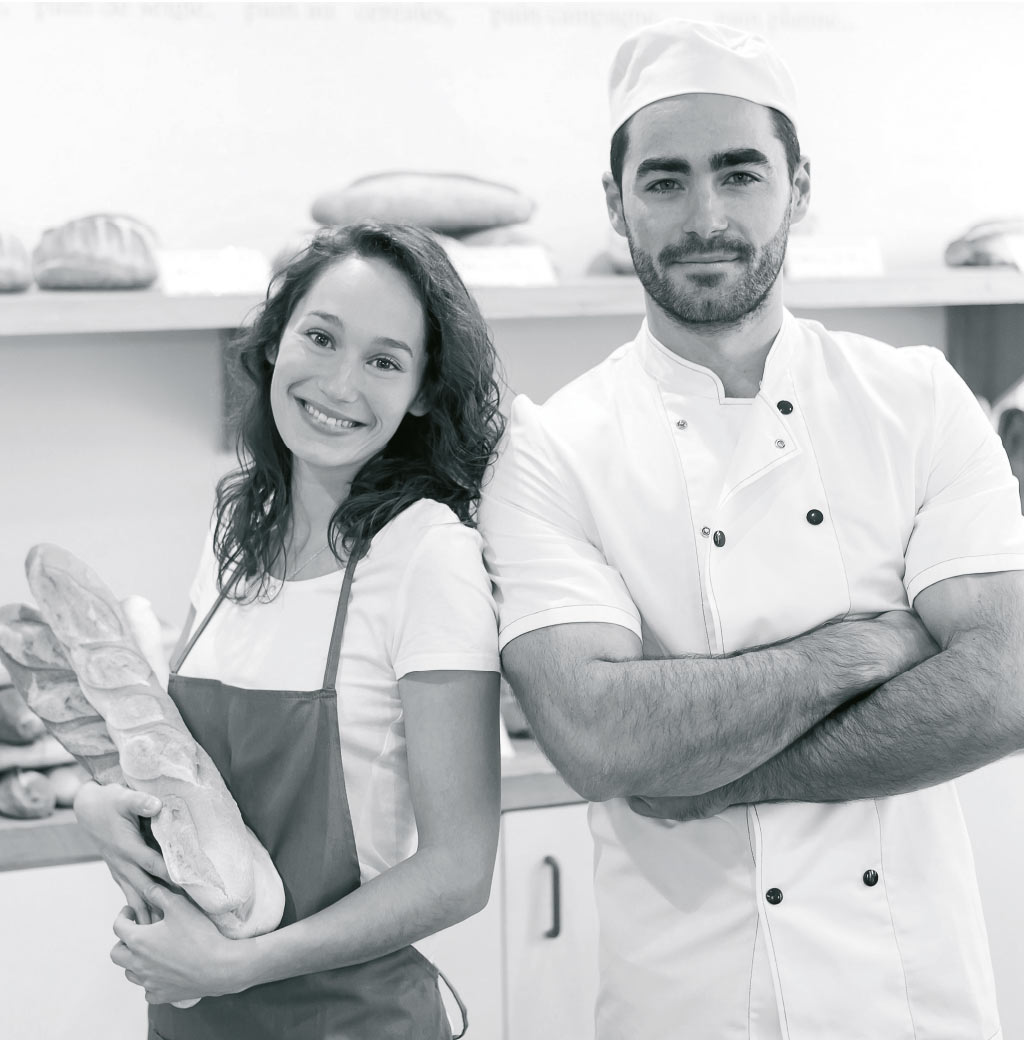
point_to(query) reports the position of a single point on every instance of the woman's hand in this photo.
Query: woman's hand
(179, 958)
(110, 814)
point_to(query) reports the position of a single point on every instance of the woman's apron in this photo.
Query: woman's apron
(279, 753)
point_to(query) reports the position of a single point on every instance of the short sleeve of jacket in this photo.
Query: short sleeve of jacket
(540, 541)
(444, 616)
(969, 519)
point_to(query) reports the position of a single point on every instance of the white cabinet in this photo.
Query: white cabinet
(58, 981)
(526, 966)
(550, 926)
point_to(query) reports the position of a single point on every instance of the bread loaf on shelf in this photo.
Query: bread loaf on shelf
(101, 251)
(40, 754)
(208, 849)
(453, 203)
(15, 268)
(26, 795)
(65, 781)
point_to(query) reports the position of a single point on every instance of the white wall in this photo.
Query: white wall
(110, 448)
(58, 980)
(219, 124)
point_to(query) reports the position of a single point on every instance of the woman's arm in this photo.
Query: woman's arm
(451, 729)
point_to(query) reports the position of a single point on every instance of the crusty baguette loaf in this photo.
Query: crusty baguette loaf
(206, 845)
(18, 723)
(42, 673)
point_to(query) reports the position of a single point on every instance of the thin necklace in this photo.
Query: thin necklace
(303, 566)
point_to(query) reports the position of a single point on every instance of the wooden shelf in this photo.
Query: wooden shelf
(37, 312)
(49, 842)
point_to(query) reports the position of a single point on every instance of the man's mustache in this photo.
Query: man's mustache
(694, 247)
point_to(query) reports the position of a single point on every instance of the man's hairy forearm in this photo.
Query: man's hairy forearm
(686, 725)
(951, 714)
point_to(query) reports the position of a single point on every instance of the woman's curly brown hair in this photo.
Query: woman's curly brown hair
(442, 455)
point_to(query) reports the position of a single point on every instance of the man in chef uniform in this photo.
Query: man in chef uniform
(706, 551)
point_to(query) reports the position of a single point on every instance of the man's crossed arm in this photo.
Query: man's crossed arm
(953, 713)
(851, 710)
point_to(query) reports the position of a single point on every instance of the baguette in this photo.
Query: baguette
(208, 849)
(42, 673)
(18, 724)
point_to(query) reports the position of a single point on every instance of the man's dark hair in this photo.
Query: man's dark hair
(782, 125)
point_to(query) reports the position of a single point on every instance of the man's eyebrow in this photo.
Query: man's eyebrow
(384, 341)
(662, 164)
(719, 161)
(739, 157)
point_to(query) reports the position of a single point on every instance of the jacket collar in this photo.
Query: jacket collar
(677, 375)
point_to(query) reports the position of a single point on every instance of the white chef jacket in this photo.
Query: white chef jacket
(588, 519)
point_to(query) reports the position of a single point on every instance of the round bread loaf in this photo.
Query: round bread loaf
(101, 251)
(994, 243)
(452, 203)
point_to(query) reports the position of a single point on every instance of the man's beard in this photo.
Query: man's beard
(709, 300)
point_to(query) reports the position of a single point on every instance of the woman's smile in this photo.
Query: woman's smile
(326, 419)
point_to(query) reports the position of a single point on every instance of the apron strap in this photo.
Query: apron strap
(176, 664)
(334, 654)
(464, 1014)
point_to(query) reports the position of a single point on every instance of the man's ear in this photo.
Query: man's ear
(800, 194)
(613, 200)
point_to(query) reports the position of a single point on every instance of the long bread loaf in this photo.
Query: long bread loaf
(207, 847)
(41, 672)
(18, 723)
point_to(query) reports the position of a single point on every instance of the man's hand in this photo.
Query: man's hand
(888, 644)
(110, 814)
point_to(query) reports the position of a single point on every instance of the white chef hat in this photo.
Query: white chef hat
(678, 56)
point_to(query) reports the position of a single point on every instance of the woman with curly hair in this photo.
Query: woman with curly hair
(343, 673)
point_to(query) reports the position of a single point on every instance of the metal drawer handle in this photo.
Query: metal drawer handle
(556, 899)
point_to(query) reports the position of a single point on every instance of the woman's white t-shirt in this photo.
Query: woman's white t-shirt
(420, 601)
